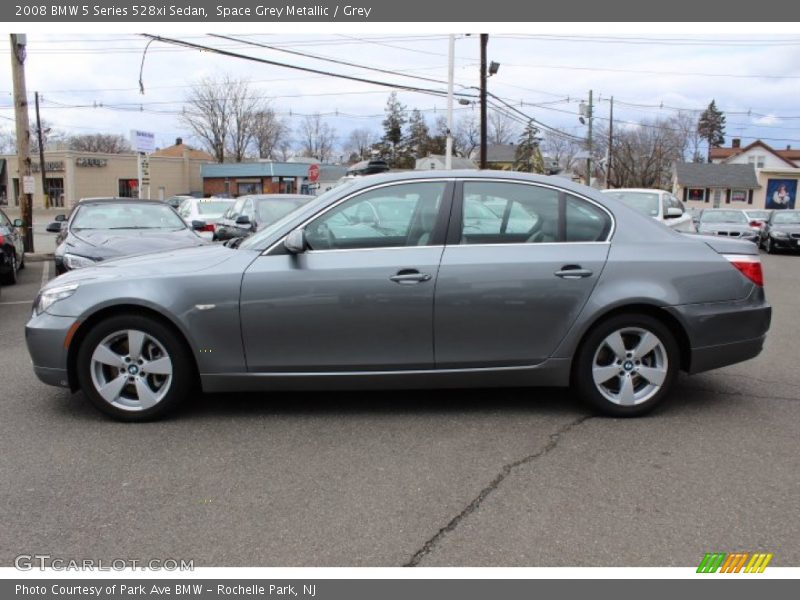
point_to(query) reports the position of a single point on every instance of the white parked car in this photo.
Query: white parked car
(661, 205)
(209, 211)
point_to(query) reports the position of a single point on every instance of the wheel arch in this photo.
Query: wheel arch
(113, 311)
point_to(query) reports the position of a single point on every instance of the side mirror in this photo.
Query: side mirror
(61, 218)
(55, 227)
(198, 225)
(295, 242)
(19, 223)
(243, 220)
(673, 212)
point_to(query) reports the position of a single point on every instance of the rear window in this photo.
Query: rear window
(723, 216)
(213, 208)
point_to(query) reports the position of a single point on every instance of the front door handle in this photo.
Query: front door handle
(573, 272)
(409, 276)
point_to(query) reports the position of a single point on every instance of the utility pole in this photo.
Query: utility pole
(448, 155)
(610, 143)
(41, 155)
(18, 42)
(589, 112)
(484, 43)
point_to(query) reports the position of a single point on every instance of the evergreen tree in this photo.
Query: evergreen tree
(711, 127)
(419, 137)
(393, 130)
(527, 156)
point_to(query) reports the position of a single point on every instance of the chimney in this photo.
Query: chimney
(788, 146)
(736, 143)
(178, 141)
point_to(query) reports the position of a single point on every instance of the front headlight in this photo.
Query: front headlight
(49, 296)
(779, 234)
(73, 261)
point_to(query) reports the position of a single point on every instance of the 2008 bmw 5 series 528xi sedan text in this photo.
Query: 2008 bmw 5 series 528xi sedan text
(413, 280)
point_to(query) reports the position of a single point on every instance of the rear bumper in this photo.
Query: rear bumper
(725, 333)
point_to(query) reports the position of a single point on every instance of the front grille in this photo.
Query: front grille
(730, 233)
(796, 236)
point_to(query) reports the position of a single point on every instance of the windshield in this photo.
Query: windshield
(643, 202)
(723, 216)
(258, 240)
(213, 208)
(789, 217)
(126, 215)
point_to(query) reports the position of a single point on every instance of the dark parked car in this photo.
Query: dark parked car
(252, 213)
(12, 250)
(782, 231)
(588, 293)
(728, 223)
(101, 229)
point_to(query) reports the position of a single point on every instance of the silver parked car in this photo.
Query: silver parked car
(730, 223)
(398, 281)
(658, 204)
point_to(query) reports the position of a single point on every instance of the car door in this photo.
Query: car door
(508, 292)
(12, 234)
(360, 298)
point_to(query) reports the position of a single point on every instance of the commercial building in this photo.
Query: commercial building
(72, 175)
(267, 177)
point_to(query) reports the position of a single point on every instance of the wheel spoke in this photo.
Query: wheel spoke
(646, 344)
(105, 355)
(603, 374)
(111, 390)
(626, 394)
(654, 375)
(135, 343)
(160, 366)
(617, 345)
(146, 395)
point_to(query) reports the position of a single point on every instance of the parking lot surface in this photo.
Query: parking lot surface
(517, 477)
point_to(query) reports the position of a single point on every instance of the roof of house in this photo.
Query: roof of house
(716, 175)
(176, 151)
(789, 155)
(458, 162)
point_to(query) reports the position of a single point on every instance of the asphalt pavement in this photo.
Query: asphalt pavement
(519, 477)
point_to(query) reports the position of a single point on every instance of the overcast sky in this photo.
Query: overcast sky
(82, 76)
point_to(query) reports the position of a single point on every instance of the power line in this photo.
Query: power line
(655, 41)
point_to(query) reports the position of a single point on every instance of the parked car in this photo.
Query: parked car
(758, 218)
(729, 223)
(592, 294)
(782, 231)
(102, 229)
(203, 214)
(658, 204)
(12, 249)
(176, 201)
(252, 213)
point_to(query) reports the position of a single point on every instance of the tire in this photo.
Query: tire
(21, 261)
(10, 278)
(119, 382)
(617, 381)
(768, 246)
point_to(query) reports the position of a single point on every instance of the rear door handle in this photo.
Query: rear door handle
(408, 276)
(573, 272)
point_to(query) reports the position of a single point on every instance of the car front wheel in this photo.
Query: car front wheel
(134, 368)
(627, 365)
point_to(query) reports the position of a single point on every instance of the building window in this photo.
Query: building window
(696, 195)
(128, 188)
(55, 191)
(738, 195)
(245, 188)
(757, 160)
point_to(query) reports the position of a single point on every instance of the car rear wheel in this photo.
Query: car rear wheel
(134, 368)
(627, 365)
(768, 246)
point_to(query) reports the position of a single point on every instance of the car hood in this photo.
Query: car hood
(111, 243)
(788, 228)
(171, 263)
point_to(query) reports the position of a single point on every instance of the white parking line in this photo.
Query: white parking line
(16, 302)
(45, 272)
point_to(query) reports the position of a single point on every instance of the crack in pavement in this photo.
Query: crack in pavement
(692, 388)
(507, 469)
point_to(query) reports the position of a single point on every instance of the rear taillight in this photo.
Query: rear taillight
(208, 227)
(2, 240)
(756, 224)
(749, 266)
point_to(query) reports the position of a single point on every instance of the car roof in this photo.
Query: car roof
(101, 199)
(643, 190)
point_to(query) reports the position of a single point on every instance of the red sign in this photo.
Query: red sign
(313, 173)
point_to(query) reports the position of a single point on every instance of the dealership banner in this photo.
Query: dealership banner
(391, 589)
(255, 11)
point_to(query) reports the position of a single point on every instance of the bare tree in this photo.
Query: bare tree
(221, 113)
(8, 142)
(562, 149)
(502, 129)
(108, 143)
(359, 142)
(317, 138)
(269, 133)
(466, 135)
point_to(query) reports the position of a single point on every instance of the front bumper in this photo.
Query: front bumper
(785, 243)
(725, 333)
(45, 335)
